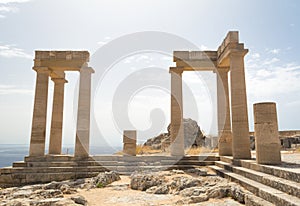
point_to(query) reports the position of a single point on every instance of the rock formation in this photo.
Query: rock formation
(192, 136)
(54, 193)
(192, 189)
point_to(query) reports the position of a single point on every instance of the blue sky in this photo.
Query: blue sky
(270, 29)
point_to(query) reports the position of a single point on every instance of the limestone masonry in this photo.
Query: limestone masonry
(268, 177)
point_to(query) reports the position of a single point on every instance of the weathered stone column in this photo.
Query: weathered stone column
(38, 131)
(267, 141)
(129, 142)
(177, 128)
(55, 145)
(240, 127)
(224, 123)
(83, 116)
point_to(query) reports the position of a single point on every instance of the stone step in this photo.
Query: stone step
(110, 163)
(286, 171)
(51, 169)
(30, 175)
(120, 158)
(99, 168)
(269, 194)
(11, 180)
(198, 163)
(287, 186)
(252, 200)
(19, 164)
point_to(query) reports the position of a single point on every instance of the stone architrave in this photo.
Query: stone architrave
(177, 128)
(240, 126)
(38, 132)
(267, 142)
(82, 143)
(55, 144)
(129, 142)
(224, 121)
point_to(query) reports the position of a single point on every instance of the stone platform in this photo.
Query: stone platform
(279, 185)
(61, 167)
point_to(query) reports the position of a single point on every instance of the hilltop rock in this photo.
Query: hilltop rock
(53, 193)
(143, 181)
(192, 136)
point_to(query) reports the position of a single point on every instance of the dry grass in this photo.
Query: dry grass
(147, 150)
(140, 150)
(199, 150)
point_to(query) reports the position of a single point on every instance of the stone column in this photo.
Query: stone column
(129, 142)
(267, 141)
(240, 127)
(55, 145)
(38, 131)
(177, 128)
(83, 116)
(224, 123)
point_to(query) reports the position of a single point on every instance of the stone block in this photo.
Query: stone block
(129, 149)
(267, 142)
(129, 136)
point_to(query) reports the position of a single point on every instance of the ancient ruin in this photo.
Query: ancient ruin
(266, 133)
(234, 139)
(234, 133)
(129, 142)
(54, 64)
(277, 183)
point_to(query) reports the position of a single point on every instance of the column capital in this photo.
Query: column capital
(221, 69)
(87, 69)
(59, 80)
(238, 52)
(42, 69)
(177, 70)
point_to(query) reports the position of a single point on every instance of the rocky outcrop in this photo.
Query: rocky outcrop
(53, 193)
(142, 181)
(192, 136)
(192, 189)
(104, 179)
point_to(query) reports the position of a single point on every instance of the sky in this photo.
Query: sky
(269, 29)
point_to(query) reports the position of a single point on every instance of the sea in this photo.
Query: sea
(10, 153)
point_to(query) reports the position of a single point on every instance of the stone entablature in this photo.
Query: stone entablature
(62, 55)
(54, 64)
(61, 60)
(233, 132)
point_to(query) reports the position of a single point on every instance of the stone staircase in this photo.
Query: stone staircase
(59, 168)
(273, 185)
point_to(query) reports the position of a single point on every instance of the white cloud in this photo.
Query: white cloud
(9, 6)
(270, 61)
(8, 9)
(10, 51)
(10, 89)
(101, 42)
(205, 48)
(13, 1)
(256, 55)
(167, 58)
(274, 51)
(267, 78)
(138, 58)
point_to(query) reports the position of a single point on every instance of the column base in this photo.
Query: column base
(225, 148)
(177, 150)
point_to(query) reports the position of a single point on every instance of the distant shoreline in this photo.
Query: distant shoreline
(10, 153)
